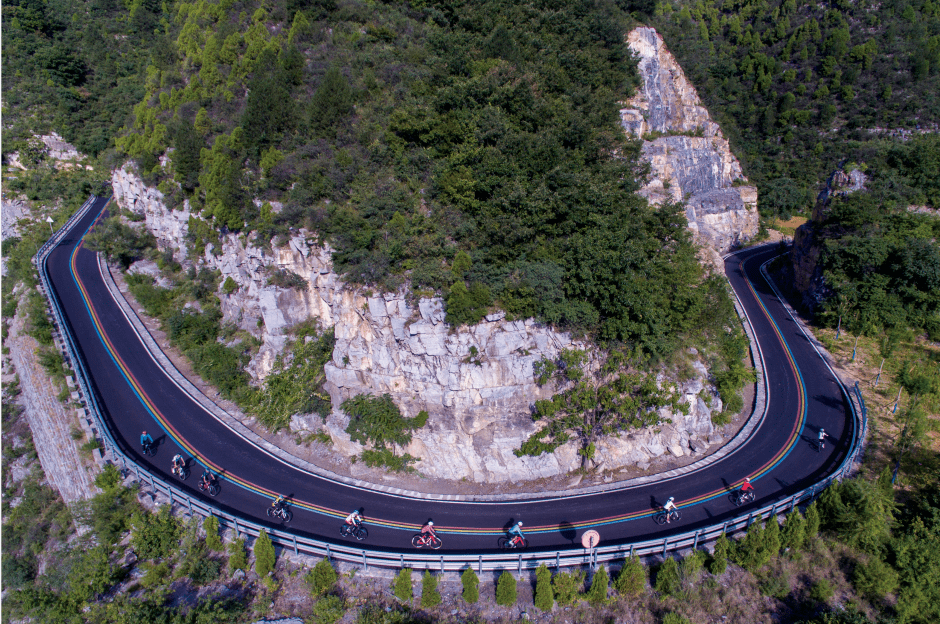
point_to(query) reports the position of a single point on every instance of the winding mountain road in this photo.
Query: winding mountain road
(136, 394)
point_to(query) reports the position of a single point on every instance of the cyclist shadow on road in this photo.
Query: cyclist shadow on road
(567, 531)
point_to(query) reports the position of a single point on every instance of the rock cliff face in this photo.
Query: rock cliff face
(807, 276)
(386, 343)
(480, 412)
(689, 157)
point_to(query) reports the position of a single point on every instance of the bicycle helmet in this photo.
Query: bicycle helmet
(430, 523)
(747, 479)
(519, 524)
(671, 498)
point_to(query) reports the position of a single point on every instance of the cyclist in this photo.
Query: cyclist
(208, 479)
(354, 519)
(278, 503)
(669, 507)
(178, 463)
(822, 438)
(515, 533)
(428, 529)
(145, 440)
(746, 486)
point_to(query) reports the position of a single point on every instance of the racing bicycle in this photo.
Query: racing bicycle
(514, 541)
(673, 515)
(422, 540)
(354, 530)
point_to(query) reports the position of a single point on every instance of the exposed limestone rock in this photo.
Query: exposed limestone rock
(693, 161)
(168, 226)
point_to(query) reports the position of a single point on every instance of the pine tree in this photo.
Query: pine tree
(667, 578)
(471, 586)
(264, 554)
(772, 537)
(794, 530)
(402, 587)
(749, 553)
(211, 526)
(812, 522)
(430, 597)
(321, 578)
(506, 590)
(632, 577)
(238, 558)
(719, 562)
(544, 596)
(597, 595)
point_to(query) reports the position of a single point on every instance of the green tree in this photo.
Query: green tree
(794, 531)
(330, 104)
(506, 590)
(155, 536)
(544, 596)
(667, 578)
(211, 526)
(719, 562)
(238, 556)
(772, 536)
(812, 522)
(597, 595)
(430, 596)
(471, 586)
(321, 578)
(377, 421)
(568, 587)
(264, 554)
(874, 578)
(632, 578)
(402, 587)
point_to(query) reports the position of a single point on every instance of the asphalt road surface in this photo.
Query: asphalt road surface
(135, 394)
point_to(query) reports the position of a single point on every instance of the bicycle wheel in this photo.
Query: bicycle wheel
(271, 512)
(184, 473)
(361, 533)
(435, 542)
(213, 489)
(660, 518)
(344, 530)
(676, 515)
(525, 543)
(417, 541)
(504, 542)
(287, 515)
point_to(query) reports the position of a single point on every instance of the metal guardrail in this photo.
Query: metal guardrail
(450, 562)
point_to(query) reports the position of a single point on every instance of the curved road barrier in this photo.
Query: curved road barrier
(126, 390)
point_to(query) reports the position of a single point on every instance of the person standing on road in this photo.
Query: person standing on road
(822, 438)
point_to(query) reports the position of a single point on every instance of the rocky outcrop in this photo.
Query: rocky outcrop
(479, 405)
(807, 275)
(689, 158)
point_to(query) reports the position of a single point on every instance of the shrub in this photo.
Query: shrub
(285, 278)
(568, 586)
(377, 420)
(229, 285)
(321, 578)
(692, 565)
(544, 596)
(109, 479)
(328, 610)
(821, 591)
(402, 586)
(430, 596)
(471, 586)
(506, 590)
(264, 554)
(875, 579)
(211, 526)
(667, 578)
(155, 536)
(674, 618)
(597, 595)
(751, 553)
(632, 578)
(772, 537)
(238, 557)
(776, 586)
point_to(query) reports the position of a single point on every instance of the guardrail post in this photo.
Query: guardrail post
(152, 486)
(520, 564)
(442, 564)
(189, 504)
(169, 492)
(401, 561)
(294, 537)
(632, 546)
(365, 565)
(695, 543)
(235, 519)
(665, 541)
(480, 564)
(557, 561)
(328, 551)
